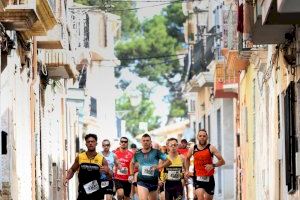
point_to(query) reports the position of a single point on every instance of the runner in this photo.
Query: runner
(204, 167)
(147, 159)
(107, 184)
(161, 184)
(124, 156)
(133, 194)
(182, 148)
(173, 174)
(90, 164)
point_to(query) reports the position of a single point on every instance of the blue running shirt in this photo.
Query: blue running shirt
(146, 161)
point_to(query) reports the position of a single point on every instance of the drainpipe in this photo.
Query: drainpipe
(32, 117)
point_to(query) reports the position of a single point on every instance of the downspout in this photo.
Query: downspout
(32, 117)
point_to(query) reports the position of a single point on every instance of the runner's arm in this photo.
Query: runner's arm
(164, 163)
(72, 170)
(184, 165)
(117, 162)
(131, 167)
(188, 158)
(218, 155)
(104, 168)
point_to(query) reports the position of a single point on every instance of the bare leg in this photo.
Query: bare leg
(153, 195)
(207, 196)
(108, 197)
(120, 194)
(200, 193)
(143, 192)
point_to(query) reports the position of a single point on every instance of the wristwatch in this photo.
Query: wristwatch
(214, 165)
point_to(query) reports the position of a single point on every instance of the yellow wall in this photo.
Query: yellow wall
(247, 148)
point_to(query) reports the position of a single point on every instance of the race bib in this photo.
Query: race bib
(122, 171)
(203, 178)
(104, 184)
(174, 175)
(147, 171)
(91, 187)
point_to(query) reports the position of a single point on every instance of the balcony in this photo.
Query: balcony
(234, 61)
(30, 17)
(288, 6)
(226, 82)
(270, 14)
(259, 32)
(60, 64)
(55, 38)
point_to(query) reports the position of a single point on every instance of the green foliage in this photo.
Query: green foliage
(144, 112)
(178, 109)
(156, 43)
(174, 21)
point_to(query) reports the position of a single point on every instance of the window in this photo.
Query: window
(4, 142)
(93, 107)
(86, 32)
(77, 144)
(290, 137)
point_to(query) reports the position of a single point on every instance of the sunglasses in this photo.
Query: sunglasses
(123, 141)
(173, 145)
(106, 145)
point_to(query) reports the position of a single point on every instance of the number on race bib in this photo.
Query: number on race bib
(174, 175)
(91, 187)
(104, 184)
(203, 178)
(122, 171)
(147, 171)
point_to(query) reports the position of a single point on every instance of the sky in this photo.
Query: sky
(151, 8)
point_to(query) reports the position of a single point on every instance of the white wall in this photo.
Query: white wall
(101, 85)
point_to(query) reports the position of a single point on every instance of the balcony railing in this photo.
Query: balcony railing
(226, 82)
(60, 63)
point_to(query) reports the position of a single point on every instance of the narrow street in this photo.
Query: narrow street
(150, 99)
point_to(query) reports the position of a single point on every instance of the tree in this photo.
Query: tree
(144, 112)
(153, 54)
(174, 22)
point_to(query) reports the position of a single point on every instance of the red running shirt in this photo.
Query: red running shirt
(202, 158)
(183, 152)
(124, 158)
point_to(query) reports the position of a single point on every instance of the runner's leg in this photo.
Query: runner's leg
(143, 192)
(120, 194)
(200, 193)
(207, 196)
(153, 195)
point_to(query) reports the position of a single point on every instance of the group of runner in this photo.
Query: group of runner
(144, 173)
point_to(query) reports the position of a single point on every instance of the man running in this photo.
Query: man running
(107, 184)
(90, 165)
(124, 156)
(147, 159)
(182, 149)
(173, 174)
(203, 165)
